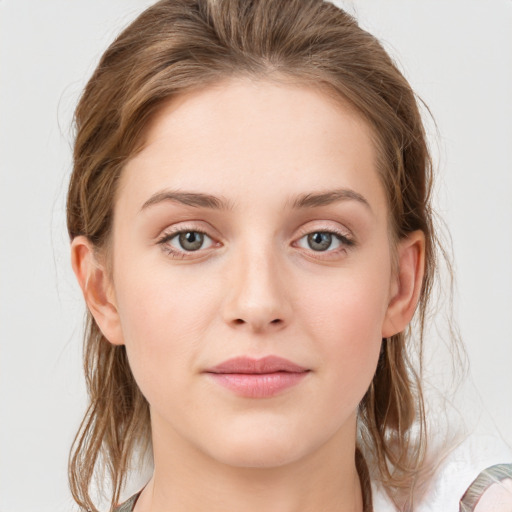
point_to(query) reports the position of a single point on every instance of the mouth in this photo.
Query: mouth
(257, 378)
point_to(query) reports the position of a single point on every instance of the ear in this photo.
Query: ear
(406, 285)
(97, 289)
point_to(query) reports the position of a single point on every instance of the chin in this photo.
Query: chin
(272, 455)
(259, 448)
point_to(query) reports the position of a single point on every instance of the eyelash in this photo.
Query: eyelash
(345, 241)
(175, 253)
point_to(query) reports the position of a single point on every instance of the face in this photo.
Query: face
(252, 271)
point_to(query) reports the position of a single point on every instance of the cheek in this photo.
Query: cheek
(163, 316)
(349, 304)
(158, 300)
(345, 317)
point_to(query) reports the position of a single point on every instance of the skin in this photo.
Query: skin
(255, 288)
(498, 498)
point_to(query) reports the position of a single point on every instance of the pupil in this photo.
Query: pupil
(191, 241)
(319, 241)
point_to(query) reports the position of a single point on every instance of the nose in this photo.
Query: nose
(257, 297)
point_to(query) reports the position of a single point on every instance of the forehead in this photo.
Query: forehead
(242, 137)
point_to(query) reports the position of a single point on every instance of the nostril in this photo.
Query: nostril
(239, 321)
(276, 321)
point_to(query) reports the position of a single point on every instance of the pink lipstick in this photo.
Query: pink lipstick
(257, 378)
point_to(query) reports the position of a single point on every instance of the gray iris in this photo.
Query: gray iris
(319, 241)
(191, 241)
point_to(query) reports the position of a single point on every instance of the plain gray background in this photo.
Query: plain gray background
(457, 55)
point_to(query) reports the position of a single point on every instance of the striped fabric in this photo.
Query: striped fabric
(128, 505)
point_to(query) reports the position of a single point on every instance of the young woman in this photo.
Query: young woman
(252, 231)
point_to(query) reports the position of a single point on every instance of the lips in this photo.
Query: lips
(246, 365)
(257, 378)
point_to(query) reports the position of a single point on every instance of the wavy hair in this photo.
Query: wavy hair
(178, 45)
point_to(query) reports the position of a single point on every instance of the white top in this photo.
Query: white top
(457, 473)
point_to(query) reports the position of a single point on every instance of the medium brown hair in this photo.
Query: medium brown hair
(178, 45)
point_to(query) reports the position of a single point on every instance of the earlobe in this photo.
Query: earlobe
(407, 285)
(96, 288)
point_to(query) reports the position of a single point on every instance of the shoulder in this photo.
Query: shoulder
(491, 491)
(498, 498)
(469, 469)
(479, 466)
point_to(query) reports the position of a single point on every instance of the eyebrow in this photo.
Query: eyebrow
(314, 200)
(195, 199)
(308, 200)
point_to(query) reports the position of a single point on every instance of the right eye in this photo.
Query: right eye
(324, 241)
(180, 243)
(189, 240)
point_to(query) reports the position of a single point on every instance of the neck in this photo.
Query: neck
(186, 480)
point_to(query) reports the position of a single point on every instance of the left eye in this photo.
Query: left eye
(189, 241)
(320, 241)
